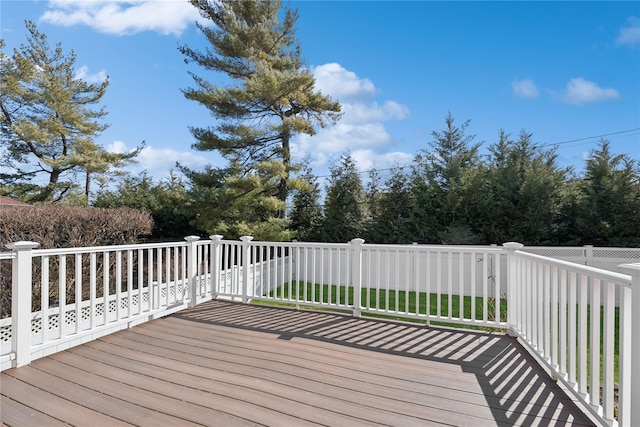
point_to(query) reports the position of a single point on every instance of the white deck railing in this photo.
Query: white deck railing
(84, 293)
(565, 313)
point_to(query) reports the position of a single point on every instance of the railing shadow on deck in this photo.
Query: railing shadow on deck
(517, 390)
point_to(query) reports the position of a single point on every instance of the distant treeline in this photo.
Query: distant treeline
(450, 194)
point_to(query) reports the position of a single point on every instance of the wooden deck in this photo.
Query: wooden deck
(226, 364)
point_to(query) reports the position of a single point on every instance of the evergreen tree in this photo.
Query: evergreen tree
(395, 210)
(231, 203)
(49, 123)
(450, 152)
(470, 204)
(526, 186)
(168, 201)
(270, 98)
(423, 225)
(609, 209)
(344, 208)
(306, 214)
(373, 194)
(569, 213)
(440, 176)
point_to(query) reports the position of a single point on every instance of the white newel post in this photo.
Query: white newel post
(192, 268)
(513, 303)
(215, 264)
(356, 274)
(588, 253)
(630, 415)
(246, 264)
(21, 288)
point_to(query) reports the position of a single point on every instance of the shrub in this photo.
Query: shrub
(64, 227)
(69, 226)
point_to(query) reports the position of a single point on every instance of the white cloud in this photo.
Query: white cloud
(361, 129)
(365, 113)
(334, 80)
(580, 91)
(629, 35)
(159, 161)
(118, 147)
(340, 138)
(83, 73)
(369, 159)
(525, 88)
(123, 17)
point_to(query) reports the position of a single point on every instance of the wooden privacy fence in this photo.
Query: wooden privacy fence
(578, 320)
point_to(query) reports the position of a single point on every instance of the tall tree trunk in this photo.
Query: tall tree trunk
(47, 191)
(87, 185)
(283, 190)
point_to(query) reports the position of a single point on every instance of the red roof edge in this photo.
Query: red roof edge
(7, 201)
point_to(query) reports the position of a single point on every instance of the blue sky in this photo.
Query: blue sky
(568, 72)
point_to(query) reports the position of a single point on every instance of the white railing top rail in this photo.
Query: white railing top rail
(295, 244)
(109, 248)
(585, 269)
(435, 248)
(378, 246)
(114, 248)
(7, 255)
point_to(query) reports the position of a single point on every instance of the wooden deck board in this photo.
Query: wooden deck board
(228, 364)
(69, 383)
(52, 405)
(293, 384)
(156, 407)
(16, 412)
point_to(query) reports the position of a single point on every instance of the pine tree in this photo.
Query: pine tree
(271, 95)
(525, 190)
(395, 210)
(344, 208)
(373, 195)
(168, 201)
(423, 225)
(234, 204)
(306, 214)
(49, 124)
(609, 209)
(441, 178)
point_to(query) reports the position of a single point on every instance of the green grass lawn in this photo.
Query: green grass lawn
(401, 301)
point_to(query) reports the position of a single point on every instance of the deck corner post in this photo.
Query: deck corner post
(246, 264)
(21, 289)
(192, 269)
(629, 414)
(513, 302)
(216, 268)
(356, 274)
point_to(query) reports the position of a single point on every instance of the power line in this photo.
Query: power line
(589, 137)
(371, 170)
(540, 145)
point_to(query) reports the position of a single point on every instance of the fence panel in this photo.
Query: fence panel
(599, 257)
